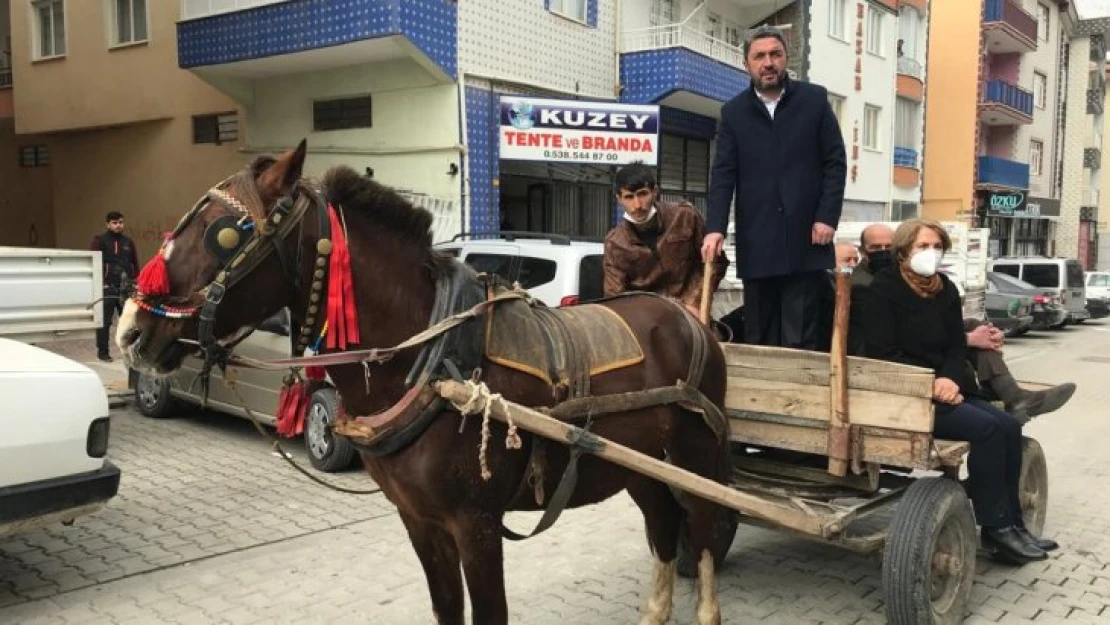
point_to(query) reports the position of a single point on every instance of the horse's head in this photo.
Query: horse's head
(249, 223)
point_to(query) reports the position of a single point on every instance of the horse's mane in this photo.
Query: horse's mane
(380, 204)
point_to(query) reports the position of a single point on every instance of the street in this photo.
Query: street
(210, 526)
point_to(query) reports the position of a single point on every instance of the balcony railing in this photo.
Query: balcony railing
(682, 36)
(905, 157)
(1013, 96)
(1010, 12)
(194, 9)
(1003, 172)
(909, 67)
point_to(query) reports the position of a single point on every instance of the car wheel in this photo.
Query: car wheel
(326, 451)
(152, 396)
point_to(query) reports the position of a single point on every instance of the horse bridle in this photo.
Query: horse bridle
(240, 245)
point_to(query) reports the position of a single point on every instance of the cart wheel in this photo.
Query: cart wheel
(929, 560)
(1033, 485)
(725, 531)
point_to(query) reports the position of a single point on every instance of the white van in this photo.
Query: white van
(1098, 284)
(1059, 277)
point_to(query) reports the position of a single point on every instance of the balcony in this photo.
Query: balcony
(247, 39)
(910, 84)
(1090, 197)
(679, 66)
(1005, 104)
(1008, 28)
(1092, 158)
(907, 172)
(1096, 99)
(1001, 172)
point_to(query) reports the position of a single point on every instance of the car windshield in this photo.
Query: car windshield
(1009, 284)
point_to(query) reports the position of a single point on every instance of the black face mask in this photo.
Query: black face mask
(880, 259)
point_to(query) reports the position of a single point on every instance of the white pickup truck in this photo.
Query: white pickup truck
(55, 421)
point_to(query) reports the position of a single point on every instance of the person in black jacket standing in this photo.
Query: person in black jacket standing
(121, 266)
(780, 153)
(914, 317)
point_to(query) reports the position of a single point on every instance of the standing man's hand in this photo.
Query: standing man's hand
(712, 246)
(822, 234)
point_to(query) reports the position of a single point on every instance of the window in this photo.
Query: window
(662, 12)
(909, 21)
(342, 114)
(50, 28)
(1036, 157)
(1042, 22)
(874, 31)
(1040, 89)
(1043, 276)
(713, 25)
(591, 278)
(574, 9)
(837, 104)
(217, 129)
(535, 271)
(683, 164)
(871, 126)
(492, 264)
(128, 21)
(34, 156)
(838, 22)
(905, 124)
(901, 211)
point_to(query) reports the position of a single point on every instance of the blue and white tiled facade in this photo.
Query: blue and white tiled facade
(304, 25)
(483, 159)
(651, 75)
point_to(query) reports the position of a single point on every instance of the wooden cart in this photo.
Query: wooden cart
(890, 487)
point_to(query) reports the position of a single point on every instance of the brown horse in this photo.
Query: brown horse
(453, 516)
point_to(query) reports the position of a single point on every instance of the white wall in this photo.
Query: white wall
(415, 133)
(1044, 60)
(526, 44)
(832, 64)
(1075, 176)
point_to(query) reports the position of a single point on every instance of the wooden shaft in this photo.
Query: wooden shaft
(839, 420)
(706, 292)
(778, 510)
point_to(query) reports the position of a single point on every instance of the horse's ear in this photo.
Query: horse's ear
(280, 177)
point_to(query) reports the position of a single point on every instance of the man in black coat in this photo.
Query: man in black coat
(780, 152)
(121, 265)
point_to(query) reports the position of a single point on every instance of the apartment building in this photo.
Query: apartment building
(1081, 122)
(1017, 158)
(99, 118)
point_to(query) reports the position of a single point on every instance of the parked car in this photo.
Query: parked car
(557, 270)
(53, 465)
(1010, 312)
(1098, 293)
(1060, 277)
(156, 396)
(1046, 309)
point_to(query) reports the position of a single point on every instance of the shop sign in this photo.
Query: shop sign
(577, 131)
(1005, 203)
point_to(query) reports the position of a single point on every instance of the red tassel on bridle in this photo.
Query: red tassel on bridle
(154, 279)
(342, 309)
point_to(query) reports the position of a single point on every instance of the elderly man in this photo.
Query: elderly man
(780, 155)
(983, 339)
(656, 245)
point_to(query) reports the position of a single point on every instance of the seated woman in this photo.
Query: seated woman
(914, 317)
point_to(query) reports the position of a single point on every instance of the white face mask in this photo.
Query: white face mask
(651, 213)
(926, 262)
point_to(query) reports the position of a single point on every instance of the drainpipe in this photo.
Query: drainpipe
(617, 38)
(464, 157)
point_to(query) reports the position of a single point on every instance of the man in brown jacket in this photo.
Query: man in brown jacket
(656, 246)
